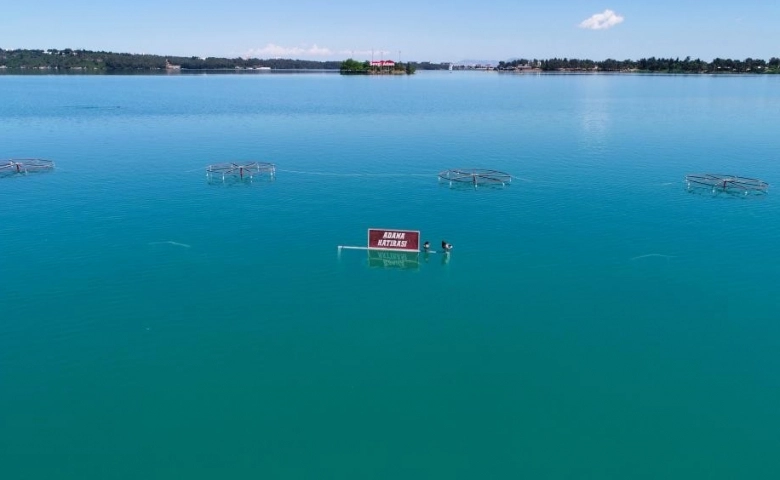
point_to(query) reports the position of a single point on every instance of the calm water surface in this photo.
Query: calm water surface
(595, 319)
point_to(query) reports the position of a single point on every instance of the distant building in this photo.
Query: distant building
(170, 66)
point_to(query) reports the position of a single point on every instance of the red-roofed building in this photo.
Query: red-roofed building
(382, 63)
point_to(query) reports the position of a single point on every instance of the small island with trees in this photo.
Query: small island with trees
(375, 67)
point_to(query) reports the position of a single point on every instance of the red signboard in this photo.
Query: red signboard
(387, 239)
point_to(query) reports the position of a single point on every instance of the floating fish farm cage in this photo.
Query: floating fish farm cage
(728, 184)
(475, 177)
(232, 172)
(24, 166)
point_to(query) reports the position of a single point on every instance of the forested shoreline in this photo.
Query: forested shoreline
(90, 61)
(70, 60)
(649, 65)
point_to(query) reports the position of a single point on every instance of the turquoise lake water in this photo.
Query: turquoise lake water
(594, 320)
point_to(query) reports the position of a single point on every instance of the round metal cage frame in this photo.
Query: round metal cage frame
(475, 177)
(730, 184)
(23, 166)
(238, 172)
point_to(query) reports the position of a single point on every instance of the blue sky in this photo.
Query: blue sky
(435, 30)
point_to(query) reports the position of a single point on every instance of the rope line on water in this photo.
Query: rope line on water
(335, 174)
(379, 175)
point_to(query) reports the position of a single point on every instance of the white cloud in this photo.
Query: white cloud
(602, 21)
(276, 51)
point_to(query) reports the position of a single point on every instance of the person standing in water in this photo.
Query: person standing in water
(446, 247)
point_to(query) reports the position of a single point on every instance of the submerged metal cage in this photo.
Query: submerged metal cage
(730, 184)
(23, 166)
(239, 172)
(475, 177)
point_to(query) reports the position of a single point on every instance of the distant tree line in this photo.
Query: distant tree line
(86, 60)
(652, 64)
(430, 66)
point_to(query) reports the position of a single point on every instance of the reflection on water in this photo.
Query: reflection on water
(391, 259)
